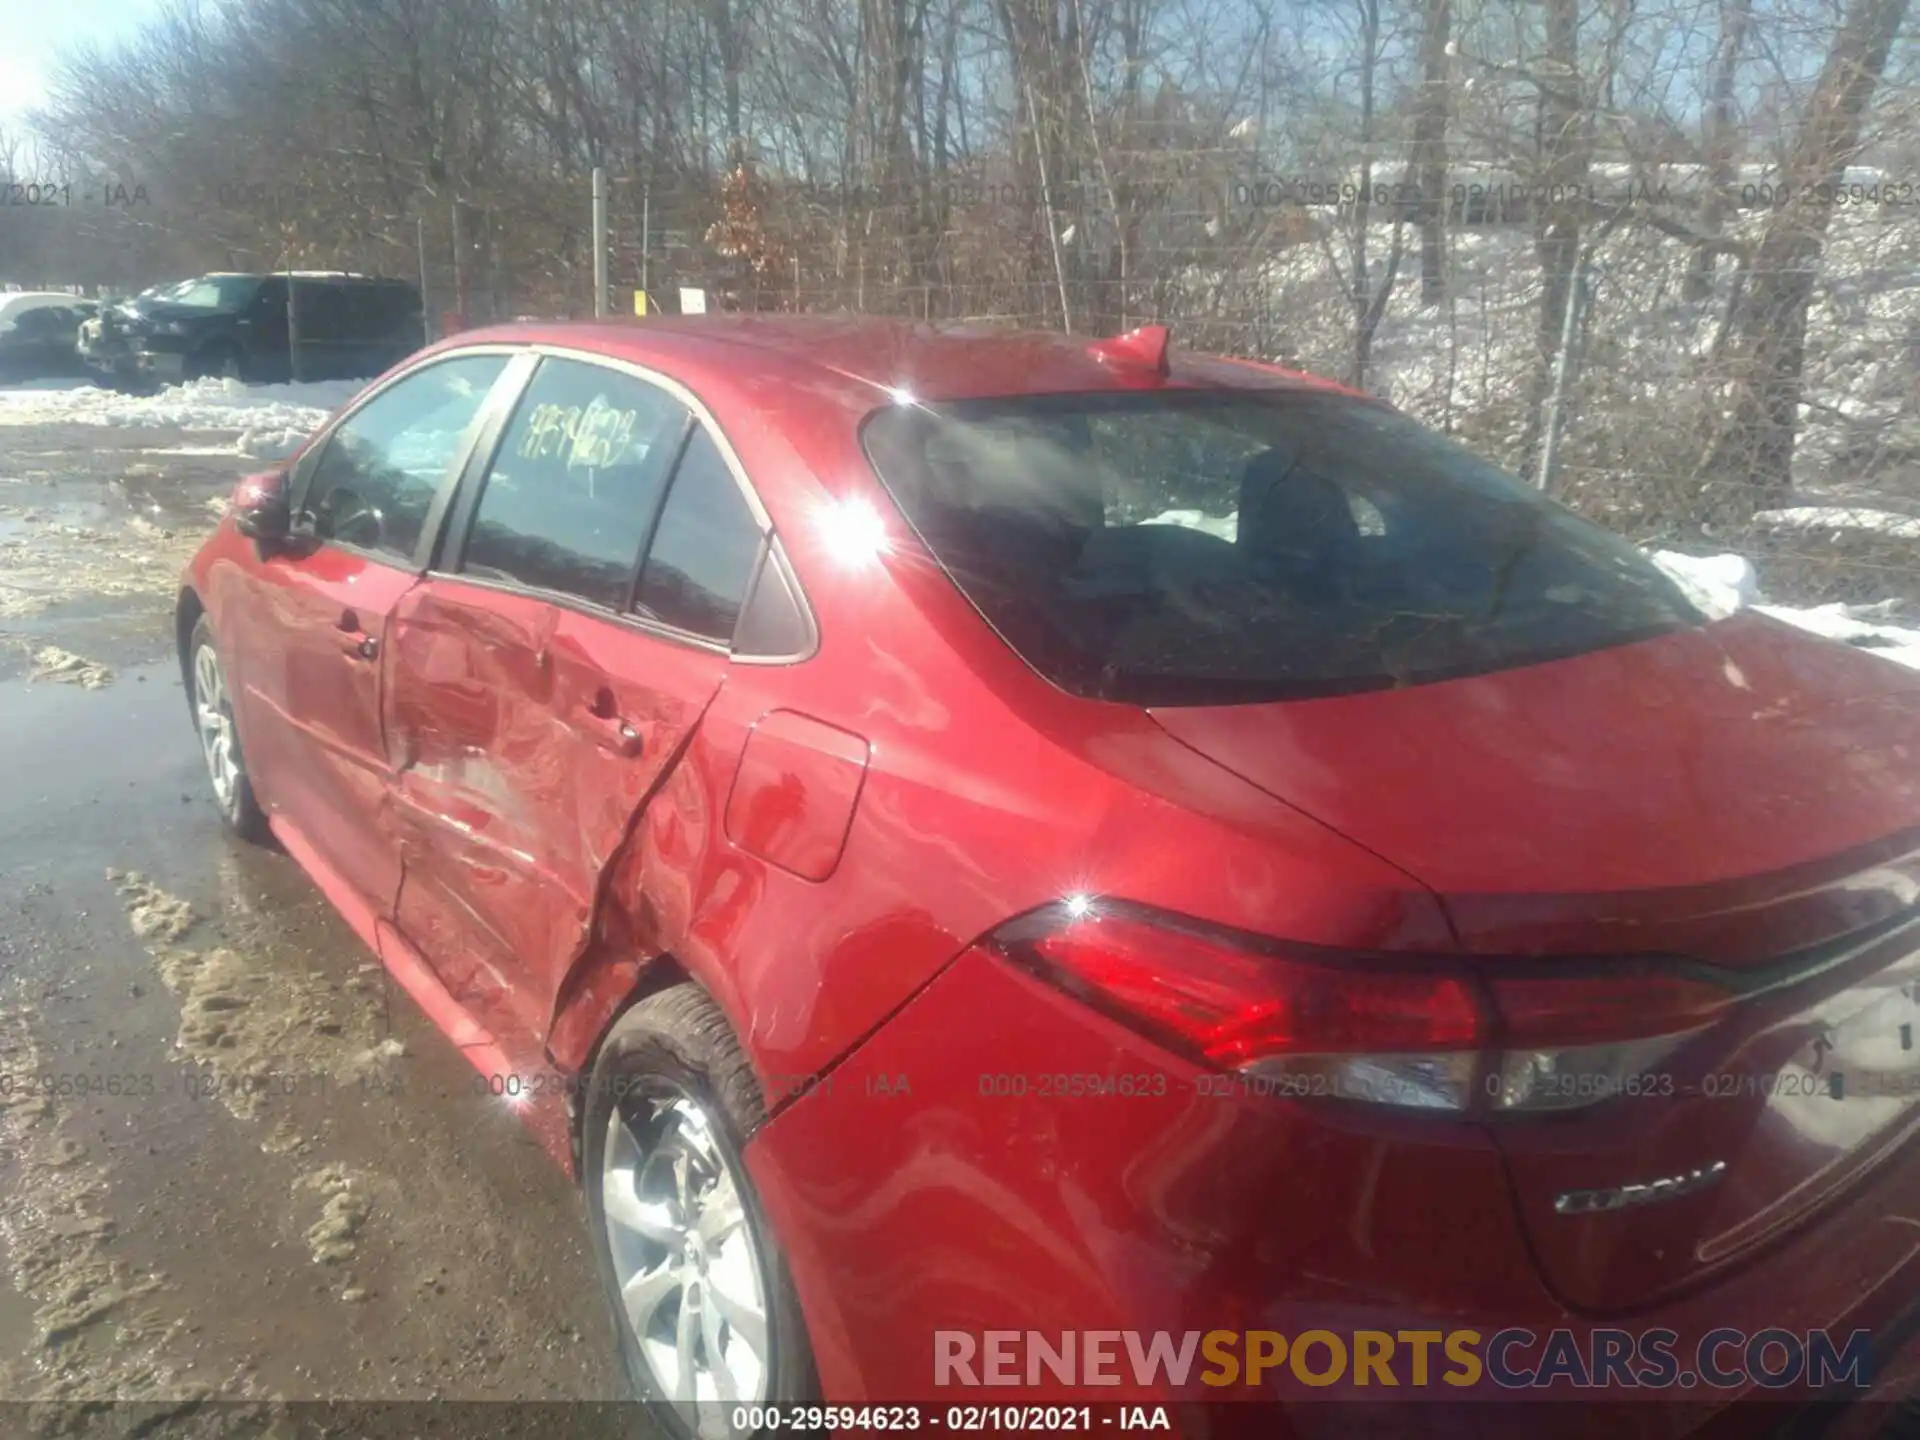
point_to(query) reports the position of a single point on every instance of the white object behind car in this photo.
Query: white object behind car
(13, 306)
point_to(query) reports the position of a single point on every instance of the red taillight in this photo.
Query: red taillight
(1423, 1034)
(1231, 1006)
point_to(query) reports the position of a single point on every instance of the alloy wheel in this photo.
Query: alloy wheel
(214, 717)
(688, 1270)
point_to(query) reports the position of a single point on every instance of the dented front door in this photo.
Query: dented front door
(366, 504)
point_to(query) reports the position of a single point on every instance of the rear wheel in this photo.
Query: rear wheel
(702, 1302)
(219, 740)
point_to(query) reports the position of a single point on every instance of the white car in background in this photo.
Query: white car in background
(39, 333)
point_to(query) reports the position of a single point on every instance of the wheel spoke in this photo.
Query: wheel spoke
(642, 1296)
(686, 1386)
(747, 1323)
(716, 1353)
(721, 1213)
(207, 677)
(649, 1219)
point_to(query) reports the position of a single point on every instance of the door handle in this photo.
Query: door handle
(357, 644)
(610, 732)
(610, 729)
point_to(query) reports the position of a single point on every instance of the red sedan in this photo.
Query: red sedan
(953, 832)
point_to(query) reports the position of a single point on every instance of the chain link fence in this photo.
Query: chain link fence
(1294, 272)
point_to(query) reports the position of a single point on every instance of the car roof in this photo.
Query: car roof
(354, 275)
(862, 361)
(12, 300)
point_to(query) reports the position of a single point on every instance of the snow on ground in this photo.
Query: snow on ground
(1841, 517)
(1464, 362)
(270, 420)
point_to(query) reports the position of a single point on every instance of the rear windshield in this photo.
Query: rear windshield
(1214, 547)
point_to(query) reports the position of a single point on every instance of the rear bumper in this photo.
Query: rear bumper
(914, 1194)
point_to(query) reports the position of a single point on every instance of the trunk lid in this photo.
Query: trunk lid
(1742, 796)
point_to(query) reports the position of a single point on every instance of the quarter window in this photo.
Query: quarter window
(705, 550)
(378, 473)
(576, 483)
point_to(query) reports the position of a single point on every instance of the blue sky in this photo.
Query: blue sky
(32, 32)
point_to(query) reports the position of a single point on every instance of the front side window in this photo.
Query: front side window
(1203, 547)
(576, 482)
(377, 474)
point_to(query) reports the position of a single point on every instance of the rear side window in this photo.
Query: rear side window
(322, 311)
(704, 553)
(1214, 547)
(576, 482)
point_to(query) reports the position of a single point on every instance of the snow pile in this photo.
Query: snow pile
(1717, 584)
(266, 415)
(273, 442)
(1862, 625)
(1722, 584)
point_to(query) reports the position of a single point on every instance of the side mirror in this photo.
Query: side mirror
(261, 510)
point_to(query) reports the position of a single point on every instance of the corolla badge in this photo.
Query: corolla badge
(1621, 1197)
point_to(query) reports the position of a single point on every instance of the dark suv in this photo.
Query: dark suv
(347, 327)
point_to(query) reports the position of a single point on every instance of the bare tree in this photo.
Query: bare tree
(1719, 140)
(1559, 195)
(1430, 146)
(1769, 324)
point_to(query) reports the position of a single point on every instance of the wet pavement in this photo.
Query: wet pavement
(237, 1166)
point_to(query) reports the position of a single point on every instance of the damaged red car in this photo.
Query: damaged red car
(988, 832)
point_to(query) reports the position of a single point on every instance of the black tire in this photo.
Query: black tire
(678, 1040)
(241, 810)
(220, 360)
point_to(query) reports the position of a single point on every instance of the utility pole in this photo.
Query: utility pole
(293, 307)
(599, 242)
(646, 229)
(1577, 285)
(426, 310)
(459, 267)
(1550, 446)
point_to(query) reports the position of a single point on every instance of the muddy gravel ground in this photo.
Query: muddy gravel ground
(245, 1188)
